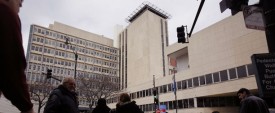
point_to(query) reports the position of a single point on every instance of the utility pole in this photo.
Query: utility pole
(175, 89)
(269, 15)
(75, 54)
(154, 93)
(196, 18)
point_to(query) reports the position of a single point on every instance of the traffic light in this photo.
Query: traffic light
(49, 73)
(156, 100)
(181, 34)
(236, 5)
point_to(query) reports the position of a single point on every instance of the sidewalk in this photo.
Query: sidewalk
(6, 106)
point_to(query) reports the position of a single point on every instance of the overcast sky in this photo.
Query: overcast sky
(101, 16)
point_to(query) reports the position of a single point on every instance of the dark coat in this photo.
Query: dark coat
(253, 104)
(128, 107)
(62, 100)
(12, 59)
(101, 107)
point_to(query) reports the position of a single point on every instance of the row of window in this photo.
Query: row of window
(38, 68)
(72, 49)
(216, 77)
(73, 40)
(39, 77)
(189, 103)
(67, 63)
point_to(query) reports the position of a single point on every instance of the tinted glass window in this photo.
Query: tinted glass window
(208, 79)
(223, 75)
(164, 88)
(196, 81)
(241, 71)
(170, 105)
(191, 103)
(251, 70)
(200, 102)
(202, 80)
(179, 85)
(180, 105)
(216, 77)
(232, 73)
(190, 84)
(184, 84)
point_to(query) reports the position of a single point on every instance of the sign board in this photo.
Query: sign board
(253, 18)
(265, 73)
(162, 108)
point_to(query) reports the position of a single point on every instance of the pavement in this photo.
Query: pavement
(7, 107)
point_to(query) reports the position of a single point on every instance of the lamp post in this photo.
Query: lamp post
(175, 87)
(67, 42)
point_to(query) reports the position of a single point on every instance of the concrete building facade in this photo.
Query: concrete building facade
(208, 70)
(47, 50)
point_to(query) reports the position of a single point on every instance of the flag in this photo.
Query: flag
(174, 85)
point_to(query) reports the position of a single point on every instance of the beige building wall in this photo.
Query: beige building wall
(81, 33)
(224, 45)
(47, 50)
(144, 48)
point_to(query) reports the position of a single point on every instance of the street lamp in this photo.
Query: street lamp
(67, 42)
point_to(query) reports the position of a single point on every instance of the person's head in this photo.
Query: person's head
(69, 83)
(243, 93)
(13, 4)
(124, 97)
(101, 102)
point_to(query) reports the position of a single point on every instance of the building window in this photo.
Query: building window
(232, 73)
(184, 84)
(223, 75)
(179, 85)
(208, 78)
(196, 81)
(241, 72)
(216, 77)
(202, 80)
(190, 83)
(251, 70)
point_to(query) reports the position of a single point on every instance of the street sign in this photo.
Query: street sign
(265, 73)
(162, 108)
(253, 17)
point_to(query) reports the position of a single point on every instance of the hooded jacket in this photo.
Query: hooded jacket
(253, 104)
(128, 107)
(101, 107)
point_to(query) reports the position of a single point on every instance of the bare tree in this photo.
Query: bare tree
(40, 91)
(92, 89)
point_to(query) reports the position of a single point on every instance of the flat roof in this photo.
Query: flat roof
(147, 6)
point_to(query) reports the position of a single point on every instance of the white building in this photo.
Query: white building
(47, 50)
(210, 69)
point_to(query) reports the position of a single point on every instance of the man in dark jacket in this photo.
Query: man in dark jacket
(63, 99)
(126, 105)
(101, 106)
(250, 103)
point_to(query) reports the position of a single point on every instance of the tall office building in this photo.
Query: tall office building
(208, 70)
(97, 56)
